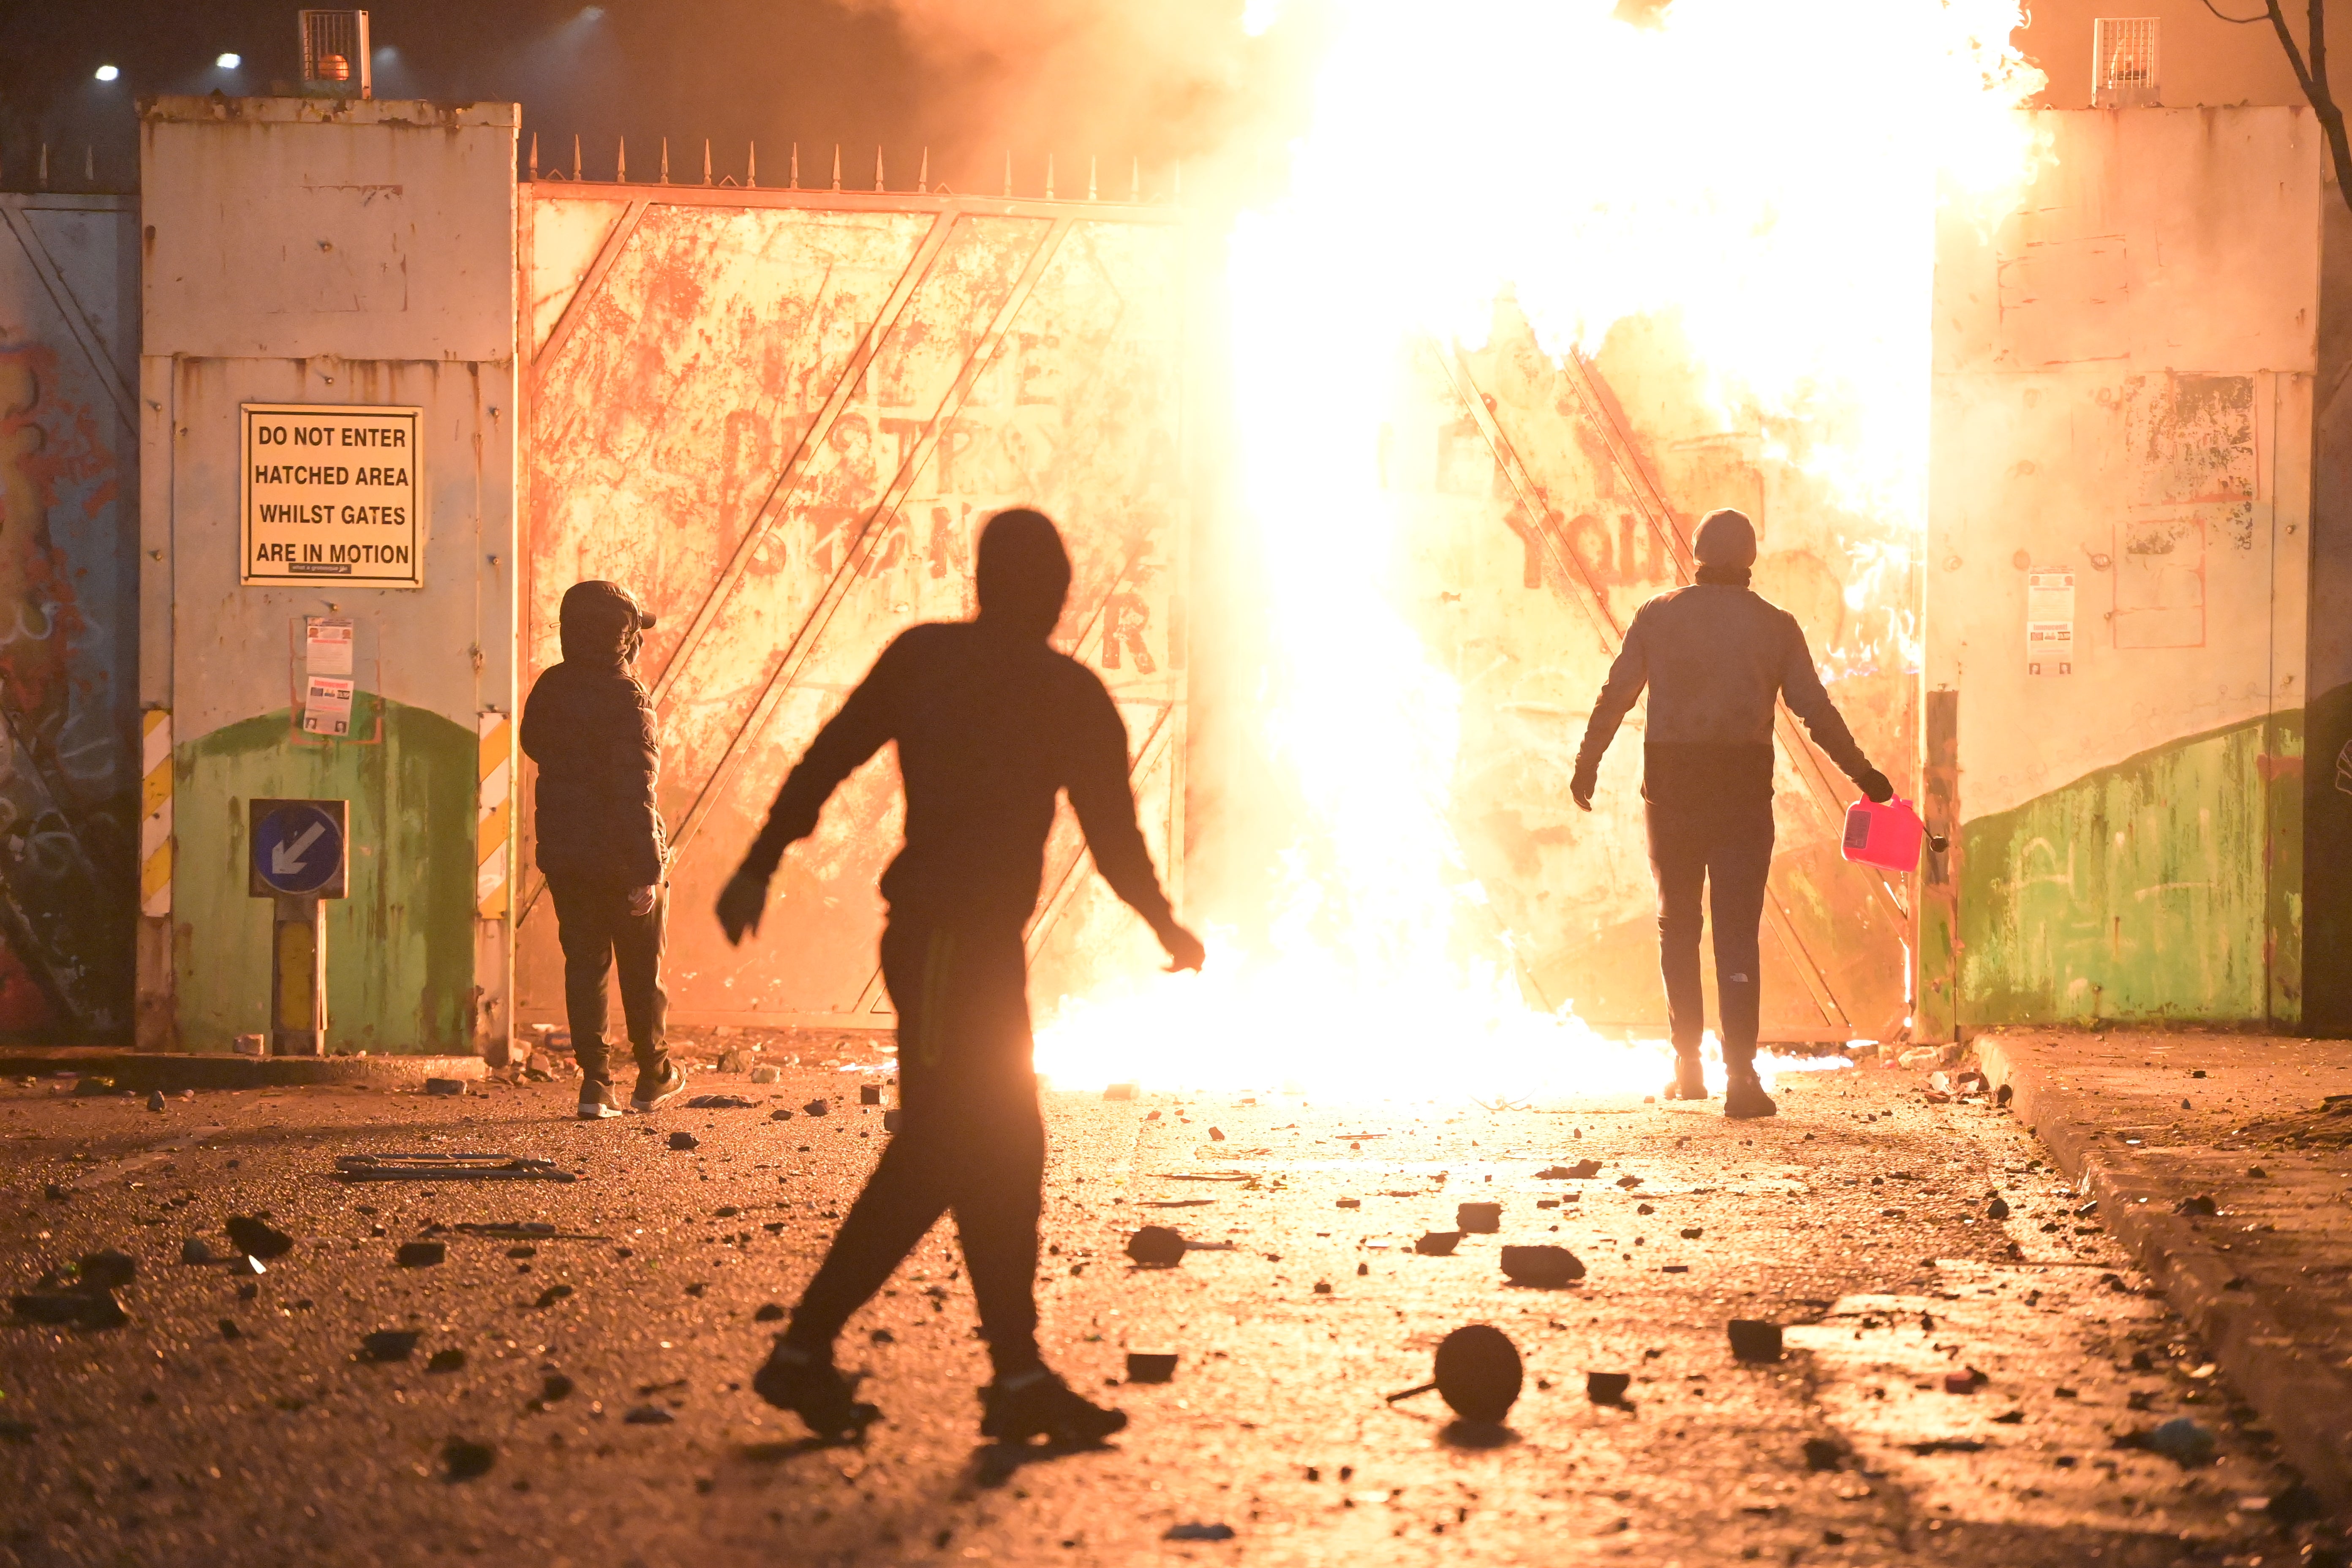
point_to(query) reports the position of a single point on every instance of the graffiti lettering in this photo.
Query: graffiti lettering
(1124, 617)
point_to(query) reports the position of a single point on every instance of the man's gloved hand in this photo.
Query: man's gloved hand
(1581, 788)
(741, 905)
(1184, 949)
(641, 900)
(1875, 788)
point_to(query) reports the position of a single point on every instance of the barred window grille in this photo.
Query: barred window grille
(335, 51)
(2124, 62)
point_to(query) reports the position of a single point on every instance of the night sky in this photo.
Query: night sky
(1154, 79)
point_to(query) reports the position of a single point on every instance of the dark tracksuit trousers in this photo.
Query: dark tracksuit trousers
(596, 930)
(1710, 833)
(969, 1138)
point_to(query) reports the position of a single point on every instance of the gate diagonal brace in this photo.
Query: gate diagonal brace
(869, 533)
(1537, 508)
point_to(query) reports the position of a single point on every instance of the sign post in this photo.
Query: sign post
(300, 859)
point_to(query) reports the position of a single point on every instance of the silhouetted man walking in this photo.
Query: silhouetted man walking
(992, 723)
(590, 726)
(1715, 656)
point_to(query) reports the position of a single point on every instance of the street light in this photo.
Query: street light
(230, 62)
(107, 73)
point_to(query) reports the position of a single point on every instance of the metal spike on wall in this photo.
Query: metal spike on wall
(45, 165)
(836, 165)
(576, 155)
(621, 164)
(923, 177)
(534, 155)
(665, 160)
(705, 160)
(1091, 160)
(1049, 176)
(751, 168)
(796, 166)
(877, 170)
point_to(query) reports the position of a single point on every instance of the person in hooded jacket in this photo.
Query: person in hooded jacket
(992, 723)
(1716, 656)
(590, 726)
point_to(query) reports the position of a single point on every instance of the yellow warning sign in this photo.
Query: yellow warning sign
(332, 490)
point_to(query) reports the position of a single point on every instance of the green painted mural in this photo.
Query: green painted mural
(399, 956)
(2160, 888)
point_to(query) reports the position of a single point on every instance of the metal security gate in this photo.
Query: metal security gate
(1549, 515)
(780, 417)
(70, 814)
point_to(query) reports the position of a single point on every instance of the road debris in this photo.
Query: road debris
(196, 1249)
(1156, 1247)
(388, 1344)
(1823, 1453)
(683, 1141)
(647, 1416)
(256, 1237)
(1582, 1171)
(452, 1087)
(1479, 1219)
(817, 1107)
(463, 1461)
(870, 1094)
(1151, 1366)
(421, 1253)
(1118, 1091)
(1199, 1533)
(451, 1359)
(448, 1168)
(720, 1102)
(1438, 1243)
(1752, 1340)
(1607, 1387)
(1478, 1372)
(1543, 1268)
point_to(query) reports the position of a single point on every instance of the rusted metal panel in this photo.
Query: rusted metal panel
(780, 418)
(70, 782)
(1551, 508)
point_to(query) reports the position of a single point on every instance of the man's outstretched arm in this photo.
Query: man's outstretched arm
(1628, 674)
(1801, 689)
(864, 725)
(1104, 802)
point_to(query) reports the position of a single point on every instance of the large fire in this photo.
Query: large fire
(1765, 174)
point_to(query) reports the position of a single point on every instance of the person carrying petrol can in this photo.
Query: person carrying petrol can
(1715, 657)
(590, 726)
(992, 723)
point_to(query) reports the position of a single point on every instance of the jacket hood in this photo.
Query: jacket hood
(602, 624)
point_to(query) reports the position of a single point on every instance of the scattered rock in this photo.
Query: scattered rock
(1692, 1232)
(1151, 1366)
(1352, 1202)
(1479, 1219)
(2202, 1203)
(463, 1461)
(106, 1270)
(1199, 1533)
(817, 1107)
(1544, 1268)
(229, 1331)
(766, 1075)
(2298, 1504)
(92, 1084)
(555, 1386)
(1438, 1243)
(771, 1313)
(1629, 1183)
(2183, 1441)
(1118, 1091)
(1998, 1208)
(683, 1140)
(451, 1087)
(720, 1102)
(1216, 1135)
(647, 1416)
(1156, 1247)
(1967, 1380)
(1754, 1341)
(779, 1115)
(81, 1308)
(154, 1100)
(1478, 1372)
(248, 1265)
(870, 1094)
(388, 1344)
(196, 1249)
(1582, 1171)
(421, 1253)
(2003, 1095)
(1322, 1287)
(259, 1238)
(1823, 1453)
(1607, 1387)
(551, 1295)
(446, 1361)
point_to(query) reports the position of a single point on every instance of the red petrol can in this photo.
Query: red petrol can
(1885, 835)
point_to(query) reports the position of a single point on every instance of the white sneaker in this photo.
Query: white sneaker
(595, 1105)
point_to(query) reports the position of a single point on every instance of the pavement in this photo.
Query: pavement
(2220, 1162)
(1962, 1385)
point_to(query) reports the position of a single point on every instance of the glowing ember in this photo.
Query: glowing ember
(1765, 174)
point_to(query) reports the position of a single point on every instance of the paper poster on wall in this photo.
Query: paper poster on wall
(327, 646)
(327, 684)
(331, 490)
(2050, 621)
(327, 706)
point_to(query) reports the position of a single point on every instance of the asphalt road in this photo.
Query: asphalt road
(233, 1419)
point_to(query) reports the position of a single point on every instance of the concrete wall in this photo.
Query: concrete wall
(308, 251)
(2124, 392)
(69, 759)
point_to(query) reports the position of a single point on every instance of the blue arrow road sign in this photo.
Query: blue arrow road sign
(298, 849)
